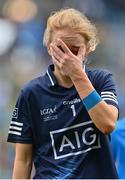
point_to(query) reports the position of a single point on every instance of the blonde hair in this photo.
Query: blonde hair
(74, 20)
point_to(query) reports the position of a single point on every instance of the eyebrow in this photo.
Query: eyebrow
(69, 38)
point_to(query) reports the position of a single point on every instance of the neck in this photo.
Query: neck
(63, 80)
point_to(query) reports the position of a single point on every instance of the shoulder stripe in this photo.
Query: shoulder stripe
(17, 128)
(15, 132)
(110, 99)
(107, 92)
(110, 96)
(16, 123)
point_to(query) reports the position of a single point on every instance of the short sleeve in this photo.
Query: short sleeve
(20, 125)
(108, 90)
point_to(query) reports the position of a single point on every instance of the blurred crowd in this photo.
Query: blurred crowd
(23, 56)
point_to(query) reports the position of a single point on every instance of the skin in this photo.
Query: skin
(62, 69)
(23, 161)
(69, 71)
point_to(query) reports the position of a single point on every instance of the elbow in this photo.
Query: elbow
(108, 128)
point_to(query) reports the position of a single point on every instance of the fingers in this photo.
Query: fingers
(56, 55)
(56, 58)
(56, 50)
(56, 62)
(64, 47)
(81, 52)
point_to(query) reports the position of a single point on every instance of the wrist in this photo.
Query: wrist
(91, 100)
(83, 85)
(78, 76)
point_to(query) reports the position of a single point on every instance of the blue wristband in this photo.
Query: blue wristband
(91, 100)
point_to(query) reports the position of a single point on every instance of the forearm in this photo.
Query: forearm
(23, 161)
(22, 169)
(103, 117)
(101, 114)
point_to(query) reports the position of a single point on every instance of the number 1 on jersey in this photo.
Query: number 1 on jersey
(73, 110)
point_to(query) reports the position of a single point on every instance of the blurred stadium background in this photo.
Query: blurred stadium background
(22, 55)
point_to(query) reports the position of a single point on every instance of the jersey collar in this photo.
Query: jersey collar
(51, 77)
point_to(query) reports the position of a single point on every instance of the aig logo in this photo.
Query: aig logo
(74, 140)
(47, 111)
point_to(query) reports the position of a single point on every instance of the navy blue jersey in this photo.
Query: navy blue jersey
(67, 145)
